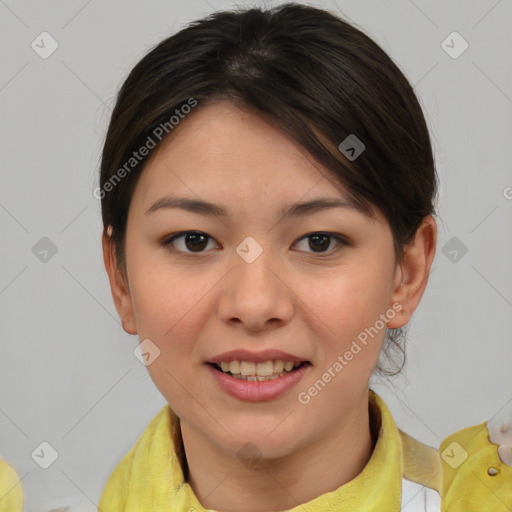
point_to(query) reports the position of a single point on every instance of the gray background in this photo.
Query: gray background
(68, 375)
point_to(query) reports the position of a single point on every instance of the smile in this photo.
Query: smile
(253, 387)
(251, 371)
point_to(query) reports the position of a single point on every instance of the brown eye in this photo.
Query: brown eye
(320, 242)
(190, 241)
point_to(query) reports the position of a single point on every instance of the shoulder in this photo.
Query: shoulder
(131, 472)
(11, 492)
(477, 466)
(471, 470)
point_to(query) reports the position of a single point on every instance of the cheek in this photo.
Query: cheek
(168, 311)
(345, 309)
(164, 295)
(347, 298)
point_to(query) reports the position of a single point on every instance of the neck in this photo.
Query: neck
(221, 482)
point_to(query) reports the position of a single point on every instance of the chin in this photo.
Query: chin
(264, 440)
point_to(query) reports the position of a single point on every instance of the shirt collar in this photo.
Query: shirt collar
(151, 476)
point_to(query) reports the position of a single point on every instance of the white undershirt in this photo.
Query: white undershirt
(418, 498)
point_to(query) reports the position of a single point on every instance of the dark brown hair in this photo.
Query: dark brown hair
(314, 76)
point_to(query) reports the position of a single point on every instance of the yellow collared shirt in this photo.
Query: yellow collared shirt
(466, 474)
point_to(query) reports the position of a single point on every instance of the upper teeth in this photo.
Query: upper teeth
(262, 369)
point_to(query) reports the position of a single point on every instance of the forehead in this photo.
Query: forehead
(219, 144)
(223, 155)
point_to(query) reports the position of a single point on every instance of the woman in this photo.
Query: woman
(279, 233)
(268, 190)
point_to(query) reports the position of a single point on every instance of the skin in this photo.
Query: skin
(195, 303)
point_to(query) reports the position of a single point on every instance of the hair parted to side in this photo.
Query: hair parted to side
(307, 72)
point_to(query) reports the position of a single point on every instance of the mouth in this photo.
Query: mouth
(251, 371)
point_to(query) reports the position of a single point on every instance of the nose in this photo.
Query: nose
(257, 294)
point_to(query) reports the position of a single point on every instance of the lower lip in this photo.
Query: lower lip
(258, 391)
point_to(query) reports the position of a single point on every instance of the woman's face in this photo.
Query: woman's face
(252, 280)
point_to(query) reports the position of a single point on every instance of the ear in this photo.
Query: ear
(118, 285)
(412, 275)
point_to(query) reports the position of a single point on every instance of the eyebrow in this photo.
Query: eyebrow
(294, 210)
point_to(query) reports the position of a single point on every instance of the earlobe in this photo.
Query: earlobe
(129, 324)
(119, 288)
(412, 275)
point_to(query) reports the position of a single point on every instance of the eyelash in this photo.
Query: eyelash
(341, 241)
